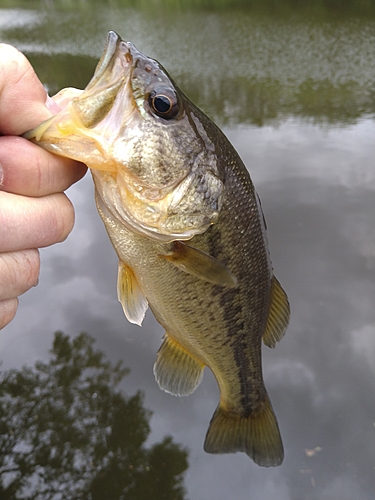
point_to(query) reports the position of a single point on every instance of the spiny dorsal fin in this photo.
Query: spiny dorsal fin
(256, 434)
(176, 370)
(129, 293)
(200, 264)
(278, 316)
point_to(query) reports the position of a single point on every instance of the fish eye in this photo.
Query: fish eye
(164, 103)
(161, 104)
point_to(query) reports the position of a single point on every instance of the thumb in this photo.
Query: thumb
(22, 95)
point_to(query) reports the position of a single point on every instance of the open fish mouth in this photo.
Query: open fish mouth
(112, 73)
(74, 131)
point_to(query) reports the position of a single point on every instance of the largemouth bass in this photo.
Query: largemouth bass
(183, 216)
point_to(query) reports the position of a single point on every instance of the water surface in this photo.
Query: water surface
(295, 93)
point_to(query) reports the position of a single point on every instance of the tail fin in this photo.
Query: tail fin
(257, 435)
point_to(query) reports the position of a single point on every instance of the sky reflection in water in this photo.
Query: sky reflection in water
(313, 165)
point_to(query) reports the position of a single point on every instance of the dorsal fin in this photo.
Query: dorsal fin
(278, 316)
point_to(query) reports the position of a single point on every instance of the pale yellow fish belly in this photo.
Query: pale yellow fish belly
(188, 310)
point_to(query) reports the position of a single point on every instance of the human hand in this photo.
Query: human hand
(34, 211)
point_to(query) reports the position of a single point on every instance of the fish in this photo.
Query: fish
(184, 218)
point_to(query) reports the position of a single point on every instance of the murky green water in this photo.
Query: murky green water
(294, 89)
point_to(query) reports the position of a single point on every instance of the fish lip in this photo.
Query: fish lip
(117, 60)
(110, 52)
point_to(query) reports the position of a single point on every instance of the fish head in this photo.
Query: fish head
(153, 163)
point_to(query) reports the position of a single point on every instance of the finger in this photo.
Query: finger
(22, 95)
(34, 222)
(8, 309)
(19, 271)
(29, 170)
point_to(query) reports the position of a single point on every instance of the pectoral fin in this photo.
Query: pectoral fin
(278, 316)
(199, 264)
(133, 300)
(176, 370)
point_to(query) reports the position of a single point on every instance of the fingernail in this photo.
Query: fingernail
(52, 105)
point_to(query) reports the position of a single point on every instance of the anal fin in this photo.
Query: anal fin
(176, 370)
(129, 293)
(278, 316)
(200, 264)
(256, 434)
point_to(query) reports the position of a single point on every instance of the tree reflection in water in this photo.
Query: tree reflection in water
(68, 432)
